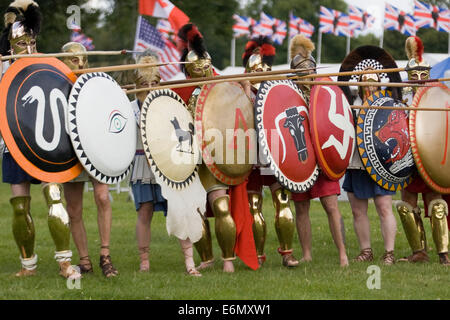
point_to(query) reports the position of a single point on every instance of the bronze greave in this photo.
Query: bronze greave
(58, 221)
(259, 224)
(204, 245)
(439, 210)
(23, 226)
(284, 219)
(412, 225)
(225, 227)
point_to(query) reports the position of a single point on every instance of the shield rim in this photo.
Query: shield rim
(74, 136)
(292, 186)
(415, 151)
(391, 186)
(206, 156)
(332, 175)
(176, 185)
(22, 161)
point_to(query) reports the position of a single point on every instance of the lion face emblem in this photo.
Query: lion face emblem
(396, 130)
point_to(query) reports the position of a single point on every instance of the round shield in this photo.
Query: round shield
(224, 123)
(33, 107)
(167, 131)
(332, 129)
(430, 137)
(102, 127)
(383, 142)
(283, 132)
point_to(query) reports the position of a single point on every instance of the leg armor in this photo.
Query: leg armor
(412, 225)
(225, 227)
(23, 231)
(204, 245)
(58, 221)
(439, 210)
(259, 224)
(284, 220)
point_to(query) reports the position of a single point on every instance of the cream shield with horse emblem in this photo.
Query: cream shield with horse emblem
(167, 131)
(102, 127)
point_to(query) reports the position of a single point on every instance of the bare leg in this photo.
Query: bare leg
(143, 233)
(188, 252)
(21, 189)
(330, 204)
(360, 220)
(73, 193)
(383, 204)
(303, 224)
(104, 214)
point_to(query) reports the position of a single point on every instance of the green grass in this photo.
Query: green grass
(320, 279)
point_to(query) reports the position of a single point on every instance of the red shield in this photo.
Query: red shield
(332, 129)
(33, 107)
(283, 131)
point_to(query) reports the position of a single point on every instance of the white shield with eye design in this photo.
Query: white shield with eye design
(102, 127)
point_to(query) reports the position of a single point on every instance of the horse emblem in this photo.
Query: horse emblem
(183, 135)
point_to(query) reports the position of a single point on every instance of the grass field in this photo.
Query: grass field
(320, 279)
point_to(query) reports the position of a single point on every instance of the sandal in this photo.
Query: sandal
(107, 266)
(67, 271)
(144, 266)
(288, 259)
(443, 259)
(85, 267)
(365, 255)
(388, 258)
(193, 272)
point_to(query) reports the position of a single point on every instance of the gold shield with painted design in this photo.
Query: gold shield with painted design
(167, 132)
(224, 121)
(430, 136)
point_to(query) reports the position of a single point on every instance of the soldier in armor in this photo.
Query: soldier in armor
(408, 209)
(192, 48)
(258, 57)
(73, 192)
(358, 184)
(147, 193)
(23, 22)
(327, 190)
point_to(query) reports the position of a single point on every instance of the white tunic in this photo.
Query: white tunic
(141, 169)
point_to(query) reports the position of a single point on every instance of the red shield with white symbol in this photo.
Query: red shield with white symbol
(283, 133)
(332, 129)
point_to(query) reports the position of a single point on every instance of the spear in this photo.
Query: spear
(240, 75)
(396, 108)
(125, 67)
(257, 78)
(69, 54)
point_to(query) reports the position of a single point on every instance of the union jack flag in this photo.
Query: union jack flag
(299, 26)
(394, 19)
(429, 16)
(165, 28)
(272, 27)
(244, 26)
(359, 19)
(335, 22)
(148, 37)
(78, 36)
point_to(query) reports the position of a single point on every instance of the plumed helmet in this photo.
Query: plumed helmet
(259, 54)
(21, 17)
(370, 58)
(416, 64)
(191, 46)
(300, 52)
